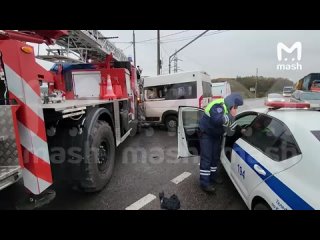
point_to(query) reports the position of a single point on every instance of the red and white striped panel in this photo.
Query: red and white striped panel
(24, 87)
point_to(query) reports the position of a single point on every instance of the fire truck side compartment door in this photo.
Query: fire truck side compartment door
(86, 84)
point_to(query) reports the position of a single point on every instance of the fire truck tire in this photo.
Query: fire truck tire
(171, 123)
(99, 167)
(134, 127)
(125, 120)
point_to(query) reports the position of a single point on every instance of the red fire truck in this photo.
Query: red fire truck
(67, 122)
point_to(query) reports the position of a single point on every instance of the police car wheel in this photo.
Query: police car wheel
(171, 123)
(261, 206)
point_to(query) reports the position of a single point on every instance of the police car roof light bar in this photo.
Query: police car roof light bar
(287, 105)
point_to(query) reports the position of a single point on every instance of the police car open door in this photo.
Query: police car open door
(188, 131)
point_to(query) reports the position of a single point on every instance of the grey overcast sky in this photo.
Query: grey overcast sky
(226, 54)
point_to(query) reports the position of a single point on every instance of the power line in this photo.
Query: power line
(193, 61)
(176, 52)
(163, 36)
(173, 40)
(127, 47)
(190, 37)
(121, 42)
(175, 33)
(165, 51)
(151, 39)
(179, 39)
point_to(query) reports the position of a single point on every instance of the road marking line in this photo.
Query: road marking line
(142, 202)
(181, 177)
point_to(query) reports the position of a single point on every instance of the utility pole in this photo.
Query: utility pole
(134, 49)
(158, 53)
(184, 47)
(256, 88)
(175, 64)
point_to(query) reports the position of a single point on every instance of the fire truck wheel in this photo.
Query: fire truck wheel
(134, 127)
(99, 167)
(171, 123)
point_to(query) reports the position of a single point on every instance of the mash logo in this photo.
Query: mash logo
(284, 63)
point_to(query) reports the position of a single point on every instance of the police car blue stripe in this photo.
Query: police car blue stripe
(251, 161)
(284, 192)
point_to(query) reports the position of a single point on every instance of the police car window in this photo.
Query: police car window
(286, 146)
(191, 118)
(273, 138)
(245, 120)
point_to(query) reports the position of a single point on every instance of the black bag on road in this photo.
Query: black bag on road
(172, 203)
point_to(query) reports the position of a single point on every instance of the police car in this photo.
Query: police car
(275, 164)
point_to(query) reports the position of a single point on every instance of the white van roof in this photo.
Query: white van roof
(176, 78)
(218, 84)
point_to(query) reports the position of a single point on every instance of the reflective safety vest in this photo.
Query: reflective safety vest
(214, 102)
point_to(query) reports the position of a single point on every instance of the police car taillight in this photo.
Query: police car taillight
(287, 105)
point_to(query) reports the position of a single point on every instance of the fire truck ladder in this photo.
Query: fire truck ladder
(85, 45)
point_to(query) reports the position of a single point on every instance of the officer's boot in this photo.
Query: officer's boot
(208, 189)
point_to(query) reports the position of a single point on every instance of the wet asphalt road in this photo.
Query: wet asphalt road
(145, 164)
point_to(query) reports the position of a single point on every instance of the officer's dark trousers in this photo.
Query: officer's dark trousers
(209, 158)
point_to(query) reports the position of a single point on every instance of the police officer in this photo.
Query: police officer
(219, 114)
